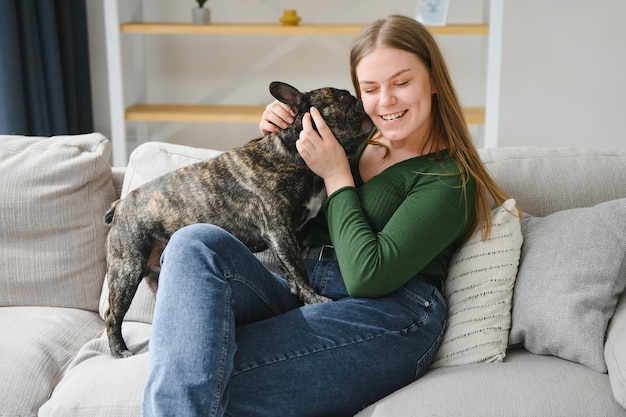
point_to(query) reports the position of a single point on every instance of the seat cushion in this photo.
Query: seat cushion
(37, 345)
(523, 385)
(99, 385)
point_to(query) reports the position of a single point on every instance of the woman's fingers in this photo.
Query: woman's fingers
(277, 115)
(323, 130)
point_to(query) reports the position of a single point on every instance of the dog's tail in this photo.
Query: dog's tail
(108, 217)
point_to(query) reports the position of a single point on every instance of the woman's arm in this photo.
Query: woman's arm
(419, 236)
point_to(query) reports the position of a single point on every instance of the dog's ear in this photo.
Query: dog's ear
(288, 95)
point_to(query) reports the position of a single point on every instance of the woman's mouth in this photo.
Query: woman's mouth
(393, 116)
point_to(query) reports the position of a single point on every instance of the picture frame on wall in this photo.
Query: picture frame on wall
(432, 12)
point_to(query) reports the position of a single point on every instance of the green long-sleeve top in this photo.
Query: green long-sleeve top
(408, 219)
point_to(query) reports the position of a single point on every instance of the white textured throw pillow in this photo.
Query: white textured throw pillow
(479, 289)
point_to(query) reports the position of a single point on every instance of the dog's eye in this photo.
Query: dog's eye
(345, 97)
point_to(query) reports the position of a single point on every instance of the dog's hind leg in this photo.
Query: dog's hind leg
(124, 273)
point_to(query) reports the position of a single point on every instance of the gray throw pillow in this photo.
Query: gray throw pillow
(572, 270)
(615, 352)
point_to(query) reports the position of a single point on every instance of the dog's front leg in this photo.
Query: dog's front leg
(286, 250)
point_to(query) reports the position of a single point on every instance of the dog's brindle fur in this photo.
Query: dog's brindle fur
(262, 193)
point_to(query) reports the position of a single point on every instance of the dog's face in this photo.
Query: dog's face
(342, 112)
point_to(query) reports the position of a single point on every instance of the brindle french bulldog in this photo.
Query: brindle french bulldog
(261, 192)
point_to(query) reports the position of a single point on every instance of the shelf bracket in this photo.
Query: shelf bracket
(116, 82)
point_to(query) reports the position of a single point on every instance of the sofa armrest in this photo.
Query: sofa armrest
(615, 351)
(118, 179)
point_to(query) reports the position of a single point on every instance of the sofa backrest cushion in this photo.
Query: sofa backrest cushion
(55, 192)
(546, 180)
(542, 180)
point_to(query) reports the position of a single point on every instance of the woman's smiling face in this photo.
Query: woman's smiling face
(396, 90)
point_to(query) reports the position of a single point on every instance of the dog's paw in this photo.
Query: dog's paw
(122, 354)
(307, 295)
(314, 298)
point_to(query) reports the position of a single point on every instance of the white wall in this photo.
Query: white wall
(562, 81)
(564, 73)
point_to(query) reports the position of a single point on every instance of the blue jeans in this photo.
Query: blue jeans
(229, 338)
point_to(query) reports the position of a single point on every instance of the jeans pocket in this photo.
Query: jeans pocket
(325, 278)
(429, 311)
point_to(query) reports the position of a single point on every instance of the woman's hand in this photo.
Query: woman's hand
(322, 152)
(277, 115)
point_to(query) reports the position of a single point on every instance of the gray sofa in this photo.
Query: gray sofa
(537, 326)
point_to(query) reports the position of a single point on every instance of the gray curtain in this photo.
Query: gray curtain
(44, 68)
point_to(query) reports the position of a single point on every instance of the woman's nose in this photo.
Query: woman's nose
(387, 97)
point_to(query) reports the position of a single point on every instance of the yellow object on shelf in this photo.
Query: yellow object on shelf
(290, 18)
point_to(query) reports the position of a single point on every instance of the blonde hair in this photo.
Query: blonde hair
(448, 128)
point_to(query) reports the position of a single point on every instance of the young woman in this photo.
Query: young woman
(230, 339)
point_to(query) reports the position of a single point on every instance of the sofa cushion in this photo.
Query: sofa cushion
(572, 270)
(615, 351)
(55, 192)
(153, 159)
(545, 180)
(479, 289)
(523, 385)
(147, 162)
(36, 346)
(99, 385)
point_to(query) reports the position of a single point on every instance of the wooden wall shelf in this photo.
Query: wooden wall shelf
(229, 113)
(194, 113)
(276, 29)
(252, 114)
(141, 111)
